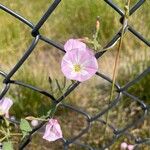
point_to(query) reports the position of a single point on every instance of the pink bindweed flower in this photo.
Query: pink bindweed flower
(79, 65)
(5, 104)
(72, 44)
(130, 147)
(52, 131)
(123, 146)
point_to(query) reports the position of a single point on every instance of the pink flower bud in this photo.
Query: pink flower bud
(34, 123)
(130, 147)
(53, 131)
(5, 104)
(123, 146)
(97, 24)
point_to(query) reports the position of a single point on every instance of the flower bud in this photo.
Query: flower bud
(34, 123)
(123, 146)
(130, 147)
(97, 24)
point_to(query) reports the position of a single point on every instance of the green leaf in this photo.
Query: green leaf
(52, 110)
(7, 146)
(58, 85)
(65, 82)
(25, 127)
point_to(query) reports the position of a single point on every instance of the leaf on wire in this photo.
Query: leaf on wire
(7, 145)
(25, 127)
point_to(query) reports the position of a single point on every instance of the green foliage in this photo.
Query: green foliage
(7, 146)
(25, 127)
(141, 88)
(27, 101)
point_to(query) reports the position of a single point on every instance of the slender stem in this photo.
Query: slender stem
(2, 139)
(16, 134)
(2, 132)
(41, 119)
(125, 19)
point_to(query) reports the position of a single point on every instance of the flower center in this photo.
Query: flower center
(77, 68)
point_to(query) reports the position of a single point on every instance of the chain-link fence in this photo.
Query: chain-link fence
(121, 91)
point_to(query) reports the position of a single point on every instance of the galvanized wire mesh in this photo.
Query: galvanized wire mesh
(121, 91)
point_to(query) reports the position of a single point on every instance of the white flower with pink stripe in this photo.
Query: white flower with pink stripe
(79, 63)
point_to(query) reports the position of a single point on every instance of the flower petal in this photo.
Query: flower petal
(53, 131)
(131, 147)
(85, 59)
(123, 146)
(5, 104)
(74, 44)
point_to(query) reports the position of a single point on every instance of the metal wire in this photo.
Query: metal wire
(89, 119)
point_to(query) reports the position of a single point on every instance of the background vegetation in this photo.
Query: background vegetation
(75, 19)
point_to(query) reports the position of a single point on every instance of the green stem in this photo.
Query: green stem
(2, 132)
(16, 134)
(2, 139)
(117, 58)
(52, 111)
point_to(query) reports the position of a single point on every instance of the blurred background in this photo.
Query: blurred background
(76, 19)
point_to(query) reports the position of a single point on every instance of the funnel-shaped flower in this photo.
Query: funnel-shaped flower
(79, 64)
(52, 131)
(5, 104)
